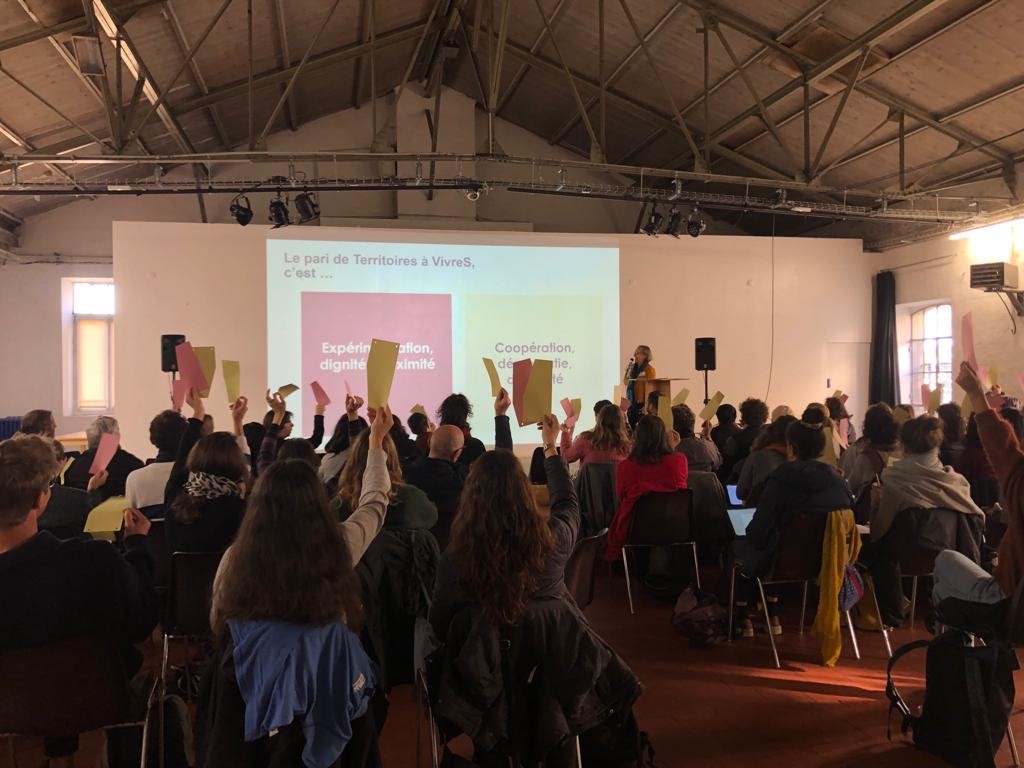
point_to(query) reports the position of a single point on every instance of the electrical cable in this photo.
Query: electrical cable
(1013, 319)
(771, 353)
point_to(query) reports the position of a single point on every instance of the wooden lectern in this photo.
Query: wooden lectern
(644, 387)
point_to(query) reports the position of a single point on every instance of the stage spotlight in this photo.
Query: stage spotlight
(675, 223)
(307, 206)
(240, 209)
(695, 224)
(654, 221)
(279, 212)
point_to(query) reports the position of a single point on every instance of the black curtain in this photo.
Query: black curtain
(884, 385)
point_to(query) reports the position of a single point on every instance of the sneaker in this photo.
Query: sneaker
(746, 628)
(775, 626)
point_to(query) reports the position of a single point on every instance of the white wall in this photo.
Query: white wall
(30, 344)
(214, 289)
(941, 270)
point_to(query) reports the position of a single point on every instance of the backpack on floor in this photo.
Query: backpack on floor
(967, 701)
(698, 615)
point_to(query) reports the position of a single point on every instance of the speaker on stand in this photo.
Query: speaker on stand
(704, 360)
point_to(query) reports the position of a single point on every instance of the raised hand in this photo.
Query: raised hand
(502, 402)
(383, 421)
(136, 523)
(549, 429)
(196, 403)
(276, 403)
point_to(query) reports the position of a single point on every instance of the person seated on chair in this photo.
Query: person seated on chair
(405, 446)
(956, 576)
(701, 453)
(205, 496)
(919, 480)
(837, 412)
(653, 466)
(974, 464)
(873, 451)
(68, 508)
(288, 605)
(720, 434)
(768, 453)
(56, 590)
(953, 429)
(421, 427)
(753, 415)
(408, 507)
(607, 442)
(802, 484)
(145, 486)
(38, 422)
(278, 425)
(298, 449)
(456, 410)
(503, 552)
(336, 450)
(122, 465)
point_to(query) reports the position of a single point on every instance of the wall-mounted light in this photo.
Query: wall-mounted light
(985, 230)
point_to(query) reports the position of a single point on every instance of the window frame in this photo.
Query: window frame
(920, 374)
(70, 343)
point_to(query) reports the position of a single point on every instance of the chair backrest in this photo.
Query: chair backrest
(710, 502)
(595, 487)
(191, 586)
(156, 545)
(662, 518)
(798, 553)
(862, 504)
(918, 535)
(582, 567)
(153, 511)
(63, 688)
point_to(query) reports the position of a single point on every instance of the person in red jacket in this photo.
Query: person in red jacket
(652, 466)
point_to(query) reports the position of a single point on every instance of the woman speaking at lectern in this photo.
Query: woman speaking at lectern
(640, 367)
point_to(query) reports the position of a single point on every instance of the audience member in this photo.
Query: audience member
(278, 425)
(653, 466)
(640, 369)
(781, 410)
(420, 426)
(1015, 419)
(726, 428)
(769, 452)
(903, 413)
(957, 576)
(701, 452)
(345, 431)
(405, 446)
(39, 422)
(803, 484)
(298, 449)
(54, 590)
(287, 610)
(408, 506)
(68, 508)
(293, 500)
(919, 480)
(205, 496)
(122, 465)
(817, 413)
(607, 442)
(873, 451)
(503, 553)
(145, 486)
(455, 411)
(952, 433)
(974, 465)
(753, 415)
(838, 413)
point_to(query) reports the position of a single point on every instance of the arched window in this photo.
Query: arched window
(931, 351)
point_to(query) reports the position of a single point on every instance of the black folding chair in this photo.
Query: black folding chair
(66, 688)
(582, 568)
(661, 520)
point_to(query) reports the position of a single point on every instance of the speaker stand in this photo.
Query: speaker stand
(707, 399)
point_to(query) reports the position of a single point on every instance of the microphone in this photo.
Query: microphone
(629, 366)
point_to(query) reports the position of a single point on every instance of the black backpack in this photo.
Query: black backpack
(967, 701)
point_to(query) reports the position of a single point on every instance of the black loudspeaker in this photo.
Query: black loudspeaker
(704, 354)
(168, 359)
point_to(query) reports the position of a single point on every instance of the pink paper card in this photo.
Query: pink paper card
(319, 394)
(967, 342)
(1020, 380)
(348, 389)
(566, 406)
(179, 389)
(983, 375)
(104, 452)
(520, 376)
(189, 368)
(571, 417)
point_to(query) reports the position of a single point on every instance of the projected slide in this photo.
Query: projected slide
(448, 306)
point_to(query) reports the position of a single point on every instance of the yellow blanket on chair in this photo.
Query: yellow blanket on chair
(841, 546)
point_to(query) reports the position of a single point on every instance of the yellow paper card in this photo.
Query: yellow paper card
(709, 410)
(837, 394)
(418, 409)
(537, 398)
(492, 374)
(287, 389)
(617, 394)
(64, 469)
(380, 371)
(681, 395)
(935, 399)
(577, 406)
(207, 357)
(232, 378)
(966, 409)
(665, 412)
(993, 375)
(108, 516)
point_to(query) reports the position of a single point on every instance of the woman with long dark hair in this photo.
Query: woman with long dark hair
(502, 552)
(653, 466)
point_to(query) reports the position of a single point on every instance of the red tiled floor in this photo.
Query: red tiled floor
(722, 706)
